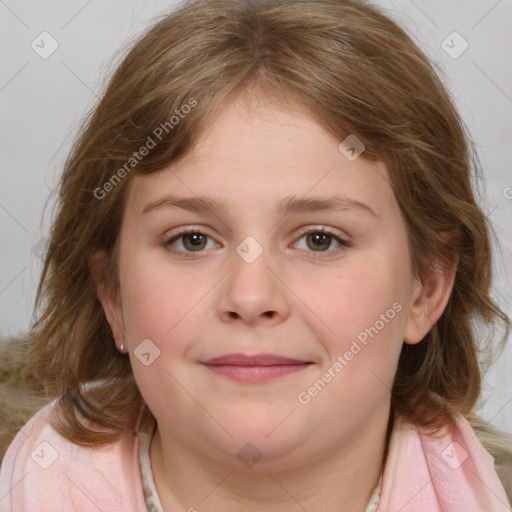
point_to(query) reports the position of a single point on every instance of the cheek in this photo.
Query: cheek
(353, 301)
(359, 317)
(160, 312)
(360, 333)
(156, 300)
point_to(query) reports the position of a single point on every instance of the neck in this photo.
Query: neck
(342, 480)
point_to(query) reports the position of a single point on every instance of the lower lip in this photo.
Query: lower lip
(255, 373)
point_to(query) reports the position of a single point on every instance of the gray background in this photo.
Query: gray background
(42, 102)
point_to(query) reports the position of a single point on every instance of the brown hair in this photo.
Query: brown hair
(356, 72)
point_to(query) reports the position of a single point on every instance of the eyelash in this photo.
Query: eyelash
(318, 254)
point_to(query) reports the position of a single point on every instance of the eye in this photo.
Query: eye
(321, 240)
(190, 240)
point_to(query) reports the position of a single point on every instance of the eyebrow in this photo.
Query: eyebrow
(287, 206)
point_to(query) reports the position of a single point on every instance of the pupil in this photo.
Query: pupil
(195, 239)
(319, 239)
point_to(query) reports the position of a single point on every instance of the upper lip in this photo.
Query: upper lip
(253, 360)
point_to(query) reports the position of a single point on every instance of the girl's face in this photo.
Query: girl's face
(256, 277)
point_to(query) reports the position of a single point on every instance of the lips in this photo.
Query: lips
(254, 360)
(256, 368)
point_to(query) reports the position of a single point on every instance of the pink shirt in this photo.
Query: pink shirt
(42, 472)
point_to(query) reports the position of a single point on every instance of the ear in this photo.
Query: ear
(429, 299)
(98, 264)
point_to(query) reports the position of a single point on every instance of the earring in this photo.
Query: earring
(121, 348)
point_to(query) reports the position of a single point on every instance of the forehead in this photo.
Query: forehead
(254, 157)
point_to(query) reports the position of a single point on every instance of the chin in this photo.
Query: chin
(267, 443)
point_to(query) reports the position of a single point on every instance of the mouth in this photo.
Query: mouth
(255, 368)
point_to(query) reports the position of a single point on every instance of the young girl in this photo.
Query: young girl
(262, 281)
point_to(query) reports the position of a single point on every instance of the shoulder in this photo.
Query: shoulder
(43, 471)
(499, 444)
(455, 455)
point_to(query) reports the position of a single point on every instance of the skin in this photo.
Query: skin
(295, 300)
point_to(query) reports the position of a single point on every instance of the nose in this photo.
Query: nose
(253, 292)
